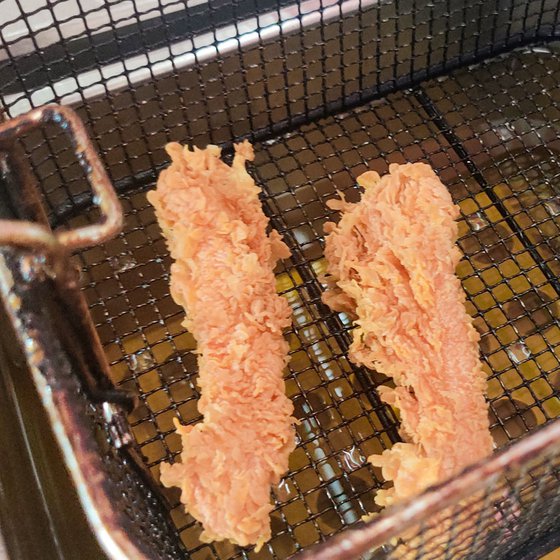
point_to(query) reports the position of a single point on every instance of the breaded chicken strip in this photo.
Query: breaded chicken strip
(222, 275)
(392, 260)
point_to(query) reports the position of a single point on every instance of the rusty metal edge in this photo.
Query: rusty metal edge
(397, 519)
(66, 417)
(68, 424)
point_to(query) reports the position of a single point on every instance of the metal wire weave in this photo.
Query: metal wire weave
(352, 91)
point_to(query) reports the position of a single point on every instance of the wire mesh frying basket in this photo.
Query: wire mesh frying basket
(325, 89)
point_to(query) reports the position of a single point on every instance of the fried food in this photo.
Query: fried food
(391, 260)
(222, 275)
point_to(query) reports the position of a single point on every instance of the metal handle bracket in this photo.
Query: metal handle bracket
(33, 235)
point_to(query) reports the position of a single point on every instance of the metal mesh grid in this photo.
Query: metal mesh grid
(490, 133)
(145, 73)
(131, 493)
(505, 273)
(520, 506)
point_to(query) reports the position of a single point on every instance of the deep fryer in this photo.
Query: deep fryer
(324, 89)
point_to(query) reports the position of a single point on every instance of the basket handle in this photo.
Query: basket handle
(81, 337)
(34, 235)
